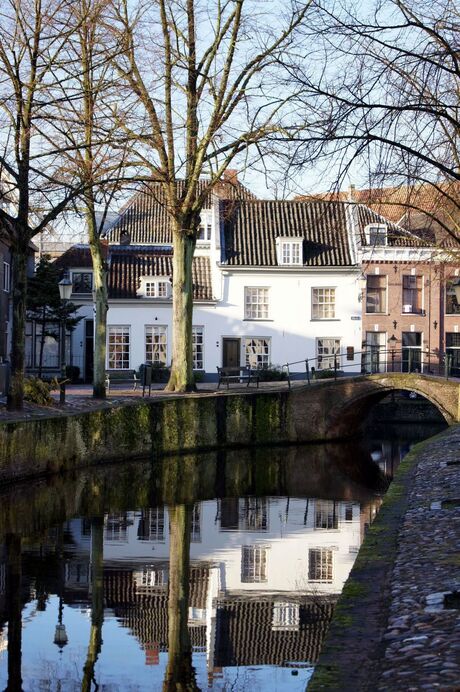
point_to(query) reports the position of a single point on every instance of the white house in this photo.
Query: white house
(274, 282)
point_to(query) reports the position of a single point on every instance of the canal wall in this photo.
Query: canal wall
(394, 627)
(172, 424)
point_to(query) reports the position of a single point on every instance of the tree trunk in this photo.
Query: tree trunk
(180, 674)
(97, 602)
(181, 378)
(15, 398)
(14, 611)
(100, 326)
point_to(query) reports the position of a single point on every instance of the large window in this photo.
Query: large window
(411, 351)
(376, 294)
(452, 304)
(255, 303)
(412, 294)
(204, 231)
(320, 565)
(82, 282)
(323, 303)
(327, 350)
(155, 344)
(118, 348)
(152, 525)
(197, 345)
(286, 616)
(116, 527)
(253, 564)
(257, 353)
(326, 516)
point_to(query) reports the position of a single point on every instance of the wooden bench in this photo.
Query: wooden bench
(113, 377)
(237, 374)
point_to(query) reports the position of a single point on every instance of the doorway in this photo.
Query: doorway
(89, 350)
(231, 350)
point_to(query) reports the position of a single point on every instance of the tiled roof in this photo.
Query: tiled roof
(245, 636)
(129, 264)
(396, 235)
(418, 208)
(144, 218)
(77, 256)
(251, 229)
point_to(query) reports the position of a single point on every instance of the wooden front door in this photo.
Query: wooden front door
(231, 353)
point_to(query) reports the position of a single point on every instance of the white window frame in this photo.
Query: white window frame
(6, 277)
(125, 329)
(155, 347)
(258, 359)
(198, 333)
(155, 287)
(322, 558)
(328, 358)
(286, 616)
(256, 302)
(254, 560)
(379, 230)
(290, 251)
(323, 303)
(326, 515)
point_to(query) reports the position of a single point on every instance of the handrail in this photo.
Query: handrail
(411, 359)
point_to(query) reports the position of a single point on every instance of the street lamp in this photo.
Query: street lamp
(65, 291)
(392, 343)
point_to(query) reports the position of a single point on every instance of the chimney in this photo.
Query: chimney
(230, 175)
(351, 193)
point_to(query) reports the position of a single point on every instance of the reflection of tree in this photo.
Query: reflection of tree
(13, 595)
(180, 674)
(97, 602)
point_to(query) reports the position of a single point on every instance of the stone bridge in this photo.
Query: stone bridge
(335, 409)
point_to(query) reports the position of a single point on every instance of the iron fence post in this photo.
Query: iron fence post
(307, 370)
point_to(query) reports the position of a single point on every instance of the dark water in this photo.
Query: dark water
(217, 571)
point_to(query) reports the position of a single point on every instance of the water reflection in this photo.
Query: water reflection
(214, 571)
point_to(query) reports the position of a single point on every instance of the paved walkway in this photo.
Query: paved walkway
(423, 632)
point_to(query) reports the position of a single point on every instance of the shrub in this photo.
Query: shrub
(160, 373)
(38, 392)
(198, 376)
(326, 374)
(272, 373)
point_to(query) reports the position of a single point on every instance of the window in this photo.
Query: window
(156, 289)
(197, 346)
(155, 344)
(374, 357)
(253, 514)
(152, 525)
(149, 578)
(257, 353)
(82, 282)
(116, 527)
(253, 564)
(326, 352)
(326, 516)
(290, 251)
(195, 535)
(118, 348)
(453, 352)
(286, 616)
(204, 231)
(255, 303)
(320, 565)
(411, 351)
(376, 294)
(6, 277)
(323, 304)
(412, 294)
(348, 512)
(376, 234)
(452, 305)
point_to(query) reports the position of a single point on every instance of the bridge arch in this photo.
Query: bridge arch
(339, 408)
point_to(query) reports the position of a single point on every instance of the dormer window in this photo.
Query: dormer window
(289, 251)
(204, 232)
(376, 234)
(154, 287)
(82, 282)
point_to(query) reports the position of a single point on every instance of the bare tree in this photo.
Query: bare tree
(86, 124)
(203, 76)
(35, 184)
(381, 94)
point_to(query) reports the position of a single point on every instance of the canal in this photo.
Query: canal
(218, 571)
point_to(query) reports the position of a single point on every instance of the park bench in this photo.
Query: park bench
(123, 377)
(237, 374)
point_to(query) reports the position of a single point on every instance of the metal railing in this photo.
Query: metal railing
(374, 361)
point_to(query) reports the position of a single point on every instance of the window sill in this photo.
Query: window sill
(377, 314)
(325, 319)
(257, 319)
